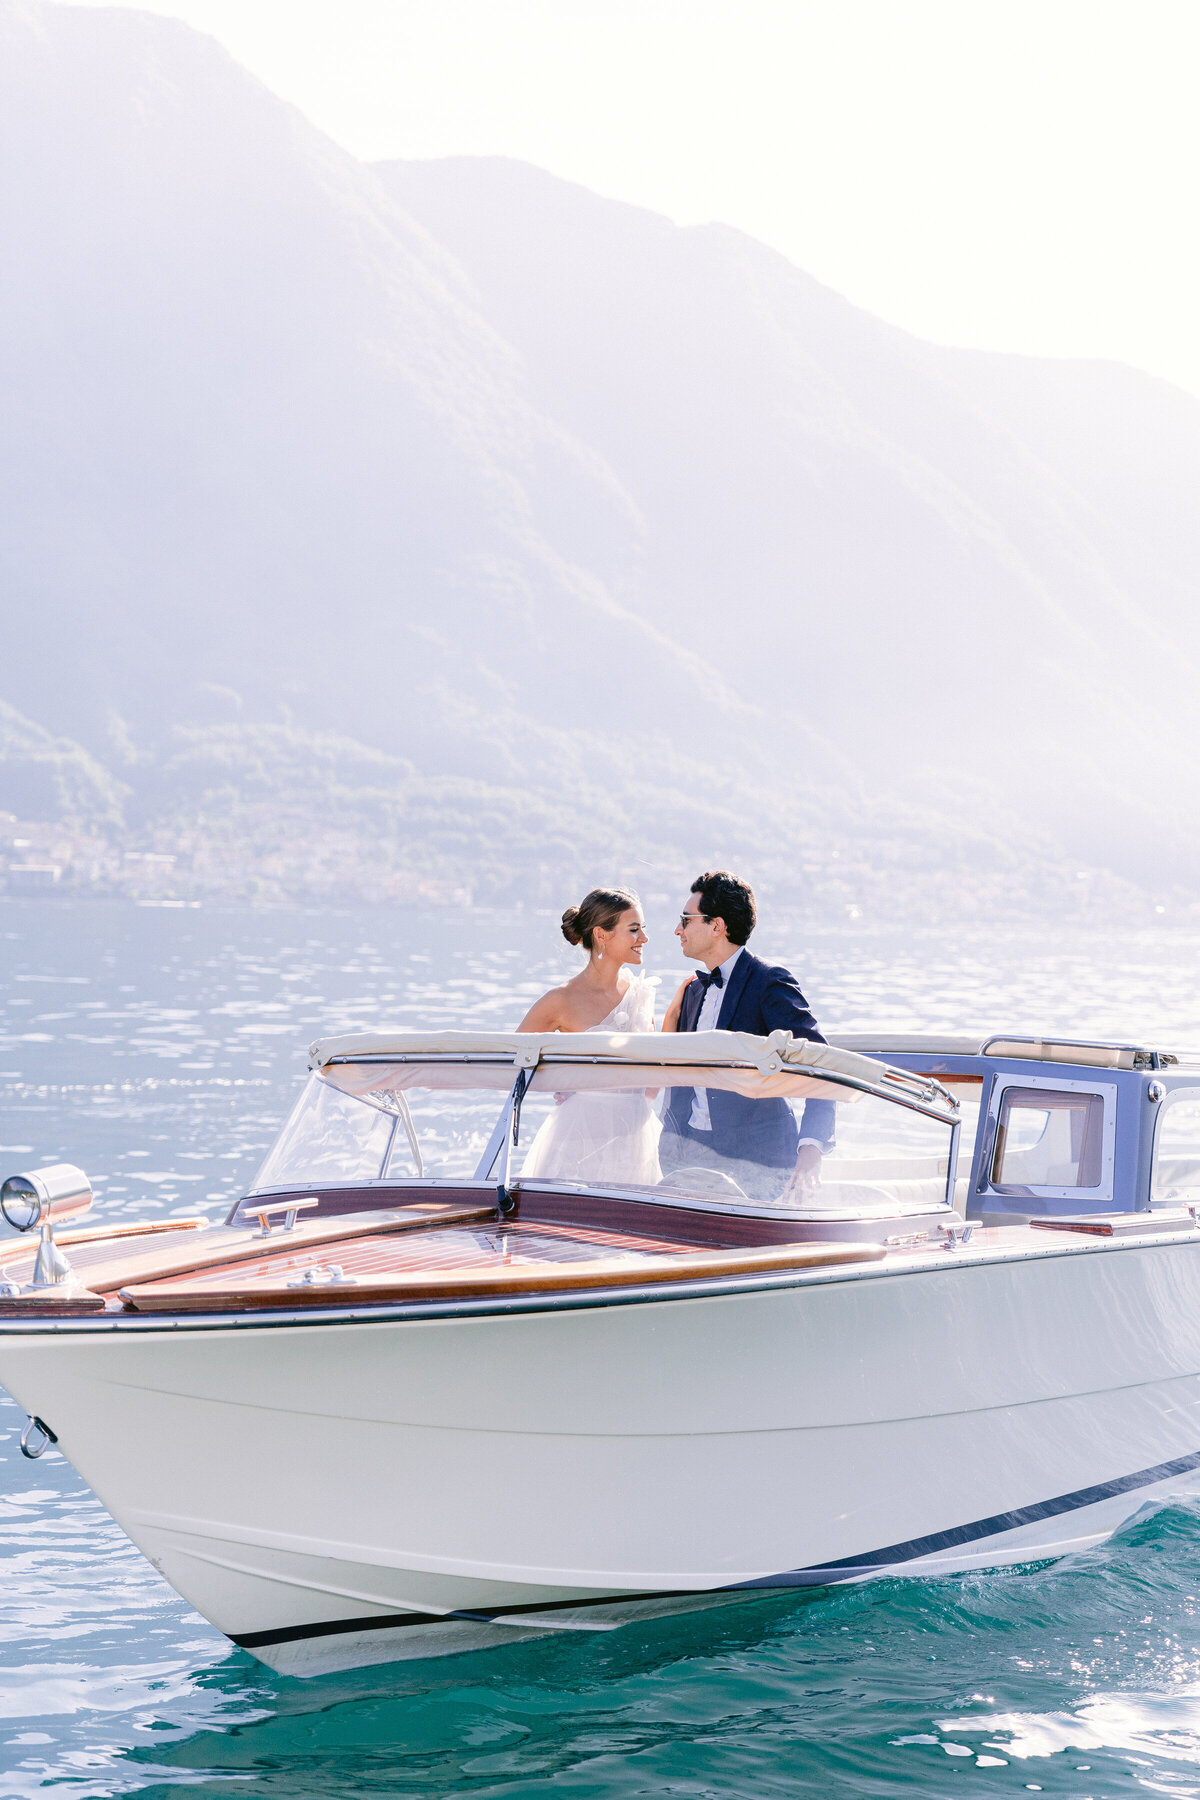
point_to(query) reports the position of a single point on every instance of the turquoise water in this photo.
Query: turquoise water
(160, 1047)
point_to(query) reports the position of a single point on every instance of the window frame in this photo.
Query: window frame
(1168, 1100)
(1101, 1194)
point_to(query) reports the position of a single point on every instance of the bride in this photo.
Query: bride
(599, 1137)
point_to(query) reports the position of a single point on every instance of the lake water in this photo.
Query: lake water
(160, 1048)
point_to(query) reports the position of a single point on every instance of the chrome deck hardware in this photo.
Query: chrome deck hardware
(44, 1197)
(48, 1437)
(289, 1209)
(51, 1267)
(506, 1135)
(957, 1236)
(324, 1275)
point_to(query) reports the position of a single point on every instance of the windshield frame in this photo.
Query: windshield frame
(925, 1101)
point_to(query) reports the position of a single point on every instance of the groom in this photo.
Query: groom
(755, 1142)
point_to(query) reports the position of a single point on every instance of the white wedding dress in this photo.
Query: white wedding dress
(606, 1139)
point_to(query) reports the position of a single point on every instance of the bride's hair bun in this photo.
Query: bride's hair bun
(602, 907)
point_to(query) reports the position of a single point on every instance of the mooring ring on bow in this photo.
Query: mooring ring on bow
(48, 1437)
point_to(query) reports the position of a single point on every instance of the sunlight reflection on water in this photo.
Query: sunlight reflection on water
(160, 1049)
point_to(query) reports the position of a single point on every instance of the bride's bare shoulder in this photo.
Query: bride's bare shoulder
(548, 1013)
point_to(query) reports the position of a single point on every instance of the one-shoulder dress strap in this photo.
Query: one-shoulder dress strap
(640, 1001)
(634, 1011)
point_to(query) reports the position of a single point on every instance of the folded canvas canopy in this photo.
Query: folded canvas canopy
(371, 1062)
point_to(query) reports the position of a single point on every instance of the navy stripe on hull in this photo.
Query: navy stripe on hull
(914, 1548)
(818, 1575)
(390, 1621)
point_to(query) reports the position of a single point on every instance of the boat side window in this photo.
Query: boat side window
(412, 1123)
(329, 1137)
(1176, 1173)
(1046, 1138)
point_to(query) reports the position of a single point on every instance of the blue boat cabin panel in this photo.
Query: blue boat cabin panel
(1053, 1137)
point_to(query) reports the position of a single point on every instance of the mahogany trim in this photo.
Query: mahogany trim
(706, 1230)
(267, 1291)
(377, 1197)
(88, 1234)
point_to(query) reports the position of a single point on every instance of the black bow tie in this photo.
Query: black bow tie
(716, 979)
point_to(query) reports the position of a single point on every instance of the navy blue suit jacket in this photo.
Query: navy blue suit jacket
(760, 999)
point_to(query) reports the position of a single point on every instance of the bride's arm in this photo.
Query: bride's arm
(544, 1014)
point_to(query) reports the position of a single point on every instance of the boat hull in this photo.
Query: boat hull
(335, 1492)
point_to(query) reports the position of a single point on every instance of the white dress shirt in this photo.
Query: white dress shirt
(710, 1010)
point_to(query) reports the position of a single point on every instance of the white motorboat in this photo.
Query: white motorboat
(411, 1399)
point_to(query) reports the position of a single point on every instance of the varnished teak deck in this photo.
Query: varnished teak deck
(425, 1249)
(503, 1260)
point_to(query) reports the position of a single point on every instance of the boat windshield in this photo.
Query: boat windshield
(724, 1135)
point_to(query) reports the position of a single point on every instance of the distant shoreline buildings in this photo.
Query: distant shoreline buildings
(340, 866)
(46, 861)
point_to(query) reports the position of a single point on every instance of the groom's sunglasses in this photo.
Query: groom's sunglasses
(689, 918)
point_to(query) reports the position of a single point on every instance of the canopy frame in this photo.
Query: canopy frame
(661, 1051)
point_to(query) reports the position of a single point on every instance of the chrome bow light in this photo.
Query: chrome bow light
(43, 1198)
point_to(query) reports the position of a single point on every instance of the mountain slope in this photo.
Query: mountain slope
(946, 560)
(254, 432)
(487, 486)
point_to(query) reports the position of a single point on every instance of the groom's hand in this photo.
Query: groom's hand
(806, 1175)
(808, 1165)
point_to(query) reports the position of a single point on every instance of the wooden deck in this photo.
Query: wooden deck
(412, 1244)
(457, 1262)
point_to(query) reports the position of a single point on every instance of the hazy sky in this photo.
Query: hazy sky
(1017, 174)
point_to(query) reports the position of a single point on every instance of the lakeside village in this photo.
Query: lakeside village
(340, 866)
(47, 861)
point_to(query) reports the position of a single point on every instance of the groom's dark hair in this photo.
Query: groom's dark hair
(723, 896)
